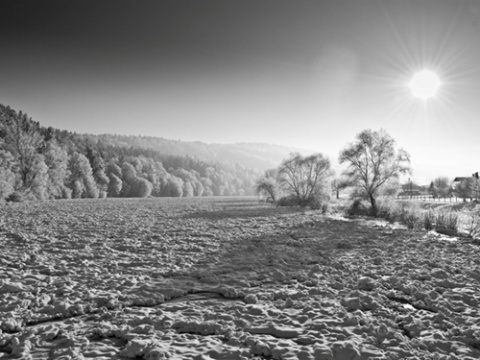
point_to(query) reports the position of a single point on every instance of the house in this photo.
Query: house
(466, 186)
(459, 179)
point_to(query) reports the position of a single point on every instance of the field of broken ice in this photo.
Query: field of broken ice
(229, 279)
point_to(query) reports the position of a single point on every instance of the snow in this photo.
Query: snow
(229, 279)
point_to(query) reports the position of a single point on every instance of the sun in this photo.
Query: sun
(424, 84)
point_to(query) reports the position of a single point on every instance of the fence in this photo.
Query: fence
(431, 198)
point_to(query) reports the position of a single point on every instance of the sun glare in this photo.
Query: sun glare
(424, 84)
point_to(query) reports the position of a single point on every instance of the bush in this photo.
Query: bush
(410, 218)
(406, 213)
(446, 224)
(358, 208)
(20, 196)
(326, 208)
(388, 209)
(429, 220)
(312, 203)
(290, 200)
(474, 226)
(15, 197)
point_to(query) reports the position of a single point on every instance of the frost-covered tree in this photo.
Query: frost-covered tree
(133, 185)
(173, 187)
(188, 178)
(56, 159)
(81, 179)
(129, 180)
(38, 178)
(198, 188)
(7, 175)
(115, 184)
(24, 142)
(144, 188)
(98, 170)
(187, 189)
(373, 160)
(306, 179)
(207, 186)
(156, 174)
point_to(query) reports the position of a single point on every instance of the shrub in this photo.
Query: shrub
(474, 226)
(319, 202)
(20, 196)
(388, 209)
(446, 224)
(410, 218)
(429, 220)
(290, 200)
(15, 197)
(406, 213)
(326, 208)
(357, 208)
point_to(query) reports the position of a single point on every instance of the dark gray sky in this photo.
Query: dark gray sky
(309, 74)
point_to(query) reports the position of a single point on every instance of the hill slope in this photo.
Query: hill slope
(252, 155)
(47, 163)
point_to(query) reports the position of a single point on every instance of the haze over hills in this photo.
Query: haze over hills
(259, 156)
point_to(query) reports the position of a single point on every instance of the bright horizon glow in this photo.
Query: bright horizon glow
(424, 84)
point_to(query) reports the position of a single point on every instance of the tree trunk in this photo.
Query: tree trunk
(373, 208)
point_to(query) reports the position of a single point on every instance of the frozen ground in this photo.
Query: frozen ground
(228, 279)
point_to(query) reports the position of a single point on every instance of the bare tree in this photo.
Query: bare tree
(306, 178)
(338, 184)
(267, 186)
(373, 160)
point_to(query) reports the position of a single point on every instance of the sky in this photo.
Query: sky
(304, 74)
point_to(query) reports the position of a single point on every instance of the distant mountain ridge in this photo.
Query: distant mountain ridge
(259, 156)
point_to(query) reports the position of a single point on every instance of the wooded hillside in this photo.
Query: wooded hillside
(46, 163)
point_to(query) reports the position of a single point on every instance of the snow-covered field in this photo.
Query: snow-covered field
(228, 279)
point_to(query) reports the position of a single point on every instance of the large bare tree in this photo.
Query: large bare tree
(305, 177)
(373, 160)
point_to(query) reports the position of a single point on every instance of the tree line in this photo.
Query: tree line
(46, 163)
(463, 188)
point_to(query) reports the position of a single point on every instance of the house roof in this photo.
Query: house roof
(462, 178)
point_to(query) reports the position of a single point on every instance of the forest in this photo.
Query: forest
(40, 163)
